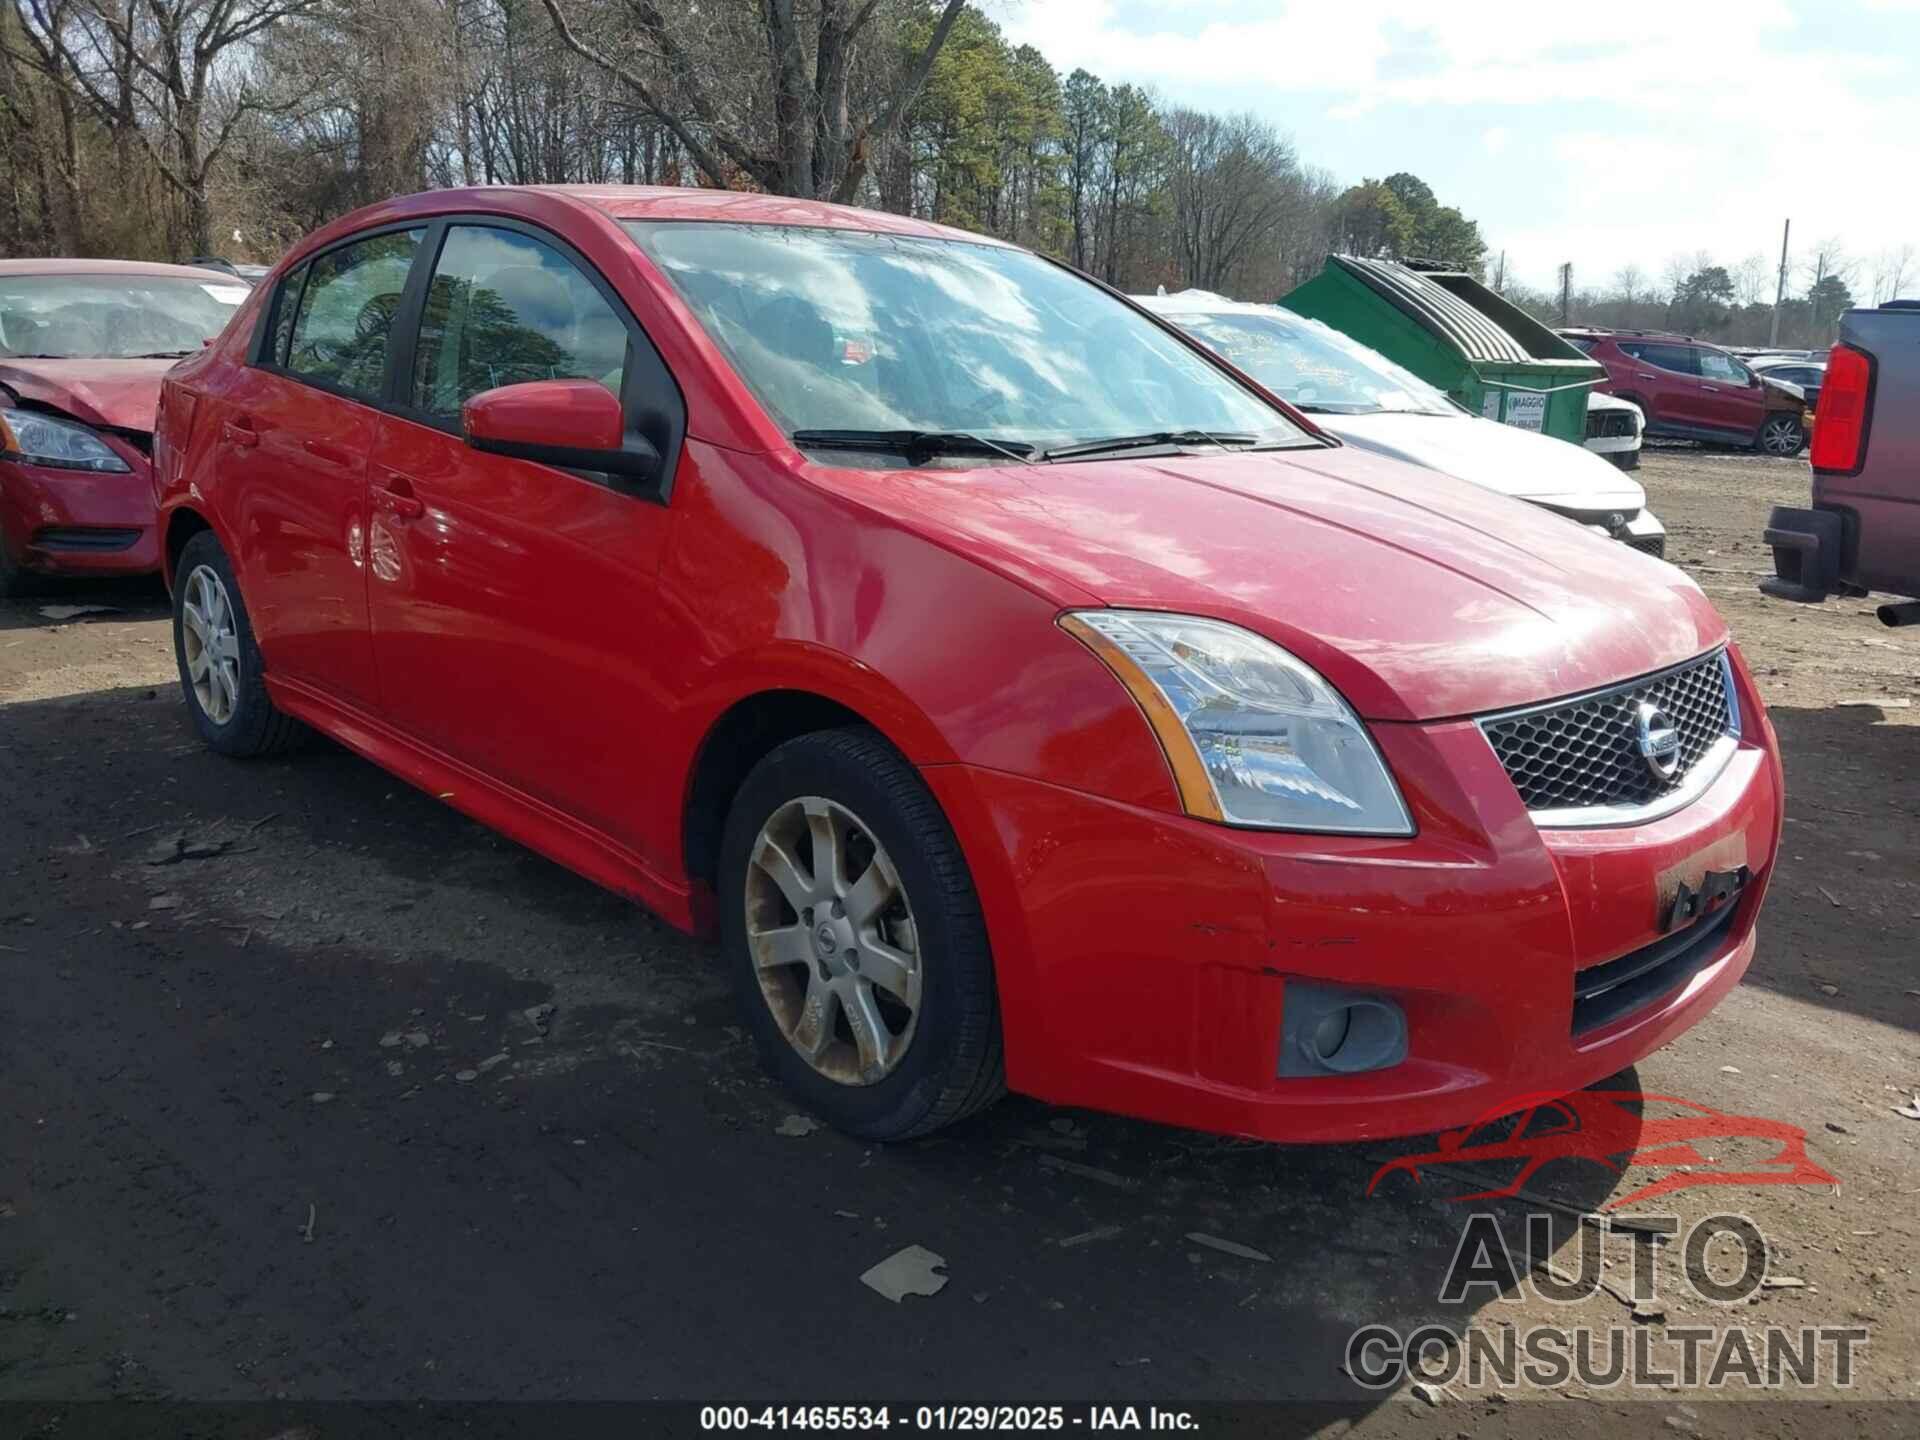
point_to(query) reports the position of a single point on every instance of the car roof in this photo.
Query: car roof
(648, 202)
(78, 266)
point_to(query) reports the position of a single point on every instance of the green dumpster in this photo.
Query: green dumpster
(1456, 334)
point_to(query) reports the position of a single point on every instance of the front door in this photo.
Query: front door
(513, 605)
(296, 430)
(1732, 399)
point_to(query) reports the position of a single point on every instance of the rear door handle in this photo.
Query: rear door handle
(240, 431)
(395, 496)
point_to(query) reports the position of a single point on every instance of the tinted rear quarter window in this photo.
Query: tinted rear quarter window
(346, 312)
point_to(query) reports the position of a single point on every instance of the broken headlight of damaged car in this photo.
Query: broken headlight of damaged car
(35, 439)
(1254, 736)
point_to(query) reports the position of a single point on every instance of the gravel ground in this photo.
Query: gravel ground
(312, 1090)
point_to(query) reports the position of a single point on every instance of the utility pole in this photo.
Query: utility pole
(1566, 292)
(1500, 276)
(1780, 291)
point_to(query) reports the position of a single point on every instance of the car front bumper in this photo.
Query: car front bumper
(79, 522)
(1144, 958)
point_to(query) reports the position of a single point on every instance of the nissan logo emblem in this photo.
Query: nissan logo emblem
(1657, 740)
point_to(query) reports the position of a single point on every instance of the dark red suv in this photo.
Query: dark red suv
(1690, 390)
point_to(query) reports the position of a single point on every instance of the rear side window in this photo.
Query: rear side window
(503, 309)
(1677, 358)
(346, 312)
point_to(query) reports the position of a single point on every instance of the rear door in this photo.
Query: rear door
(513, 605)
(1665, 375)
(1732, 400)
(297, 426)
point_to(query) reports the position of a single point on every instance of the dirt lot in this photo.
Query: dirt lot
(285, 1116)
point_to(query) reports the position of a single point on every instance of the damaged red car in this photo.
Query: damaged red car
(1022, 696)
(83, 344)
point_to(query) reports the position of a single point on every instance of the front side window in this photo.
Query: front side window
(1724, 368)
(839, 330)
(1312, 365)
(504, 309)
(347, 309)
(112, 317)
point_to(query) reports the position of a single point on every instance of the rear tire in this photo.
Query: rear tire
(855, 940)
(1781, 435)
(220, 669)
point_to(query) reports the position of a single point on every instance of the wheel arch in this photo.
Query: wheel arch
(799, 693)
(182, 524)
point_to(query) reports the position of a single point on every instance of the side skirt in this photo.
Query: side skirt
(533, 823)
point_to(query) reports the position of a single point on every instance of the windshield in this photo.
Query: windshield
(112, 317)
(839, 330)
(1312, 365)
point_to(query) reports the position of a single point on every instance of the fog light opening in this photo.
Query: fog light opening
(1329, 1031)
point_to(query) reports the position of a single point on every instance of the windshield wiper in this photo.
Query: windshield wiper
(919, 446)
(160, 355)
(1225, 439)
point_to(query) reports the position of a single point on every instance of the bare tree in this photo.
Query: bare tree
(1891, 270)
(1629, 282)
(1752, 281)
(180, 62)
(1231, 177)
(820, 147)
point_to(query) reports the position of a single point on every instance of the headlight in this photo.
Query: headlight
(42, 440)
(1254, 736)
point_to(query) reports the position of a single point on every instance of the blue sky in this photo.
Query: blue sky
(1604, 133)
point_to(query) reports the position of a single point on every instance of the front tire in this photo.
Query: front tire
(220, 669)
(1781, 435)
(854, 937)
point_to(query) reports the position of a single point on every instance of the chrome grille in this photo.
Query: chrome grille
(1579, 760)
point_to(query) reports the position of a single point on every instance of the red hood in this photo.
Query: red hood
(1418, 595)
(120, 394)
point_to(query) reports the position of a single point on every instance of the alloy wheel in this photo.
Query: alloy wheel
(833, 940)
(211, 643)
(1781, 437)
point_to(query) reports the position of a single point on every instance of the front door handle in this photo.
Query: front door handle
(240, 431)
(396, 497)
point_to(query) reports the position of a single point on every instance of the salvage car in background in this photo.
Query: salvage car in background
(83, 344)
(1807, 374)
(1367, 400)
(1690, 390)
(1024, 699)
(1615, 430)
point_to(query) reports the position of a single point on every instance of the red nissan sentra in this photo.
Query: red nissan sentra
(1023, 697)
(83, 344)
